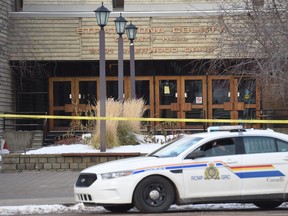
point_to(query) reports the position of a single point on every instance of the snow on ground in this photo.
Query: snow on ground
(80, 208)
(81, 148)
(144, 146)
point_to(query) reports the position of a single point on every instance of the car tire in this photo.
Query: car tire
(118, 208)
(154, 194)
(268, 204)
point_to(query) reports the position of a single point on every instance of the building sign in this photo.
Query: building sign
(161, 40)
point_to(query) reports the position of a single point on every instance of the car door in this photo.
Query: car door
(265, 166)
(211, 177)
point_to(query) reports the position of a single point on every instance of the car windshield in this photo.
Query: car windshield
(175, 148)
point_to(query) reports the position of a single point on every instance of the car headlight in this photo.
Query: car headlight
(112, 175)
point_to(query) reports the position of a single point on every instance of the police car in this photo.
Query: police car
(223, 165)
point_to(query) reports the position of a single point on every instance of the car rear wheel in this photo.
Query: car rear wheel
(154, 194)
(119, 208)
(268, 204)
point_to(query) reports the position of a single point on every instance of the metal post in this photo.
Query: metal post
(132, 71)
(120, 68)
(102, 90)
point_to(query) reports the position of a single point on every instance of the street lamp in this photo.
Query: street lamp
(102, 15)
(120, 24)
(131, 31)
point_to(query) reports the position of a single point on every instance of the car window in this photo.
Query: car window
(219, 147)
(282, 146)
(175, 148)
(259, 145)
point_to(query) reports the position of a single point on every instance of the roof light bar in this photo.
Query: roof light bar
(225, 128)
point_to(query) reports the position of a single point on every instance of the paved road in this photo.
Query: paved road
(40, 188)
(37, 188)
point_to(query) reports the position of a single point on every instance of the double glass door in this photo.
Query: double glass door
(207, 97)
(182, 97)
(233, 98)
(70, 97)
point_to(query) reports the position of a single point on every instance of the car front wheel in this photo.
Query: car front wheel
(268, 204)
(153, 195)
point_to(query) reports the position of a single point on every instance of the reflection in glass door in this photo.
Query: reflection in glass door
(248, 105)
(220, 90)
(87, 98)
(193, 100)
(144, 87)
(60, 94)
(167, 101)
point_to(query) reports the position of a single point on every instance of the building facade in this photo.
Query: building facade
(6, 87)
(54, 57)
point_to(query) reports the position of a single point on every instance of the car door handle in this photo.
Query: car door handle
(231, 161)
(286, 158)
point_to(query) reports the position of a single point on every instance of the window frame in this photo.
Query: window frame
(118, 4)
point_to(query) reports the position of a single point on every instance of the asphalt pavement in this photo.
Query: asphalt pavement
(37, 188)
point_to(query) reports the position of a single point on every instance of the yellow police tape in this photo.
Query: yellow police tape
(146, 119)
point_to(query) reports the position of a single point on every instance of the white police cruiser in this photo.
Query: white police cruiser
(235, 165)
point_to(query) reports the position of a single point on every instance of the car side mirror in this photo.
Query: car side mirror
(195, 154)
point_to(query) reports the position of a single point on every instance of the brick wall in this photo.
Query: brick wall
(58, 162)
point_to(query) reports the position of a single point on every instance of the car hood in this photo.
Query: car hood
(135, 163)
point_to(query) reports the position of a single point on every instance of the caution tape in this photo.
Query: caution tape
(255, 121)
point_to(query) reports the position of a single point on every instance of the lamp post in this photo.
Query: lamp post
(120, 24)
(102, 15)
(131, 31)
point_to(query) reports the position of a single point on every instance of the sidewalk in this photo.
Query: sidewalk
(37, 188)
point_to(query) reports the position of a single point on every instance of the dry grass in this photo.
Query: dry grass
(113, 109)
(133, 108)
(120, 132)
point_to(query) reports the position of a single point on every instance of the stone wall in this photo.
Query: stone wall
(58, 162)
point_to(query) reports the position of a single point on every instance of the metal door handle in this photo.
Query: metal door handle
(231, 162)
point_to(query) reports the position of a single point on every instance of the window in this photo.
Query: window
(259, 145)
(219, 147)
(118, 4)
(175, 147)
(18, 5)
(282, 146)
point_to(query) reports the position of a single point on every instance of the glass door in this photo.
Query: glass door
(60, 96)
(144, 87)
(248, 99)
(85, 101)
(193, 100)
(167, 100)
(221, 97)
